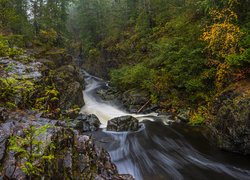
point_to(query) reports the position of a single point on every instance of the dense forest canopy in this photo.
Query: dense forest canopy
(180, 52)
(31, 18)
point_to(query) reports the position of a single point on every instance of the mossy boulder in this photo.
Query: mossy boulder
(231, 127)
(123, 123)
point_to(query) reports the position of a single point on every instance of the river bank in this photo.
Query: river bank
(226, 118)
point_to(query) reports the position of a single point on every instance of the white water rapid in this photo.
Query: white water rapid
(160, 150)
(103, 110)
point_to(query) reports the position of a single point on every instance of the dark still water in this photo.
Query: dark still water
(171, 152)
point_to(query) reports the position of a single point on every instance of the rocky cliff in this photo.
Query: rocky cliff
(231, 125)
(75, 155)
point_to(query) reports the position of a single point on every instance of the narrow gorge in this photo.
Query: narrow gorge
(124, 89)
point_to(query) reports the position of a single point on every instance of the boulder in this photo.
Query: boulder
(231, 127)
(91, 124)
(123, 123)
(108, 94)
(82, 117)
(86, 123)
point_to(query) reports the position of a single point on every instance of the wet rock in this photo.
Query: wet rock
(3, 144)
(126, 176)
(123, 123)
(76, 156)
(3, 114)
(183, 115)
(83, 123)
(151, 108)
(82, 117)
(231, 128)
(91, 124)
(72, 95)
(134, 99)
(77, 124)
(108, 94)
(66, 76)
(70, 85)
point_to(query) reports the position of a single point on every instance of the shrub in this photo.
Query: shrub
(31, 151)
(47, 102)
(48, 37)
(16, 92)
(6, 50)
(198, 117)
(131, 77)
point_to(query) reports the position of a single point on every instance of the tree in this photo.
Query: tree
(223, 38)
(223, 35)
(8, 14)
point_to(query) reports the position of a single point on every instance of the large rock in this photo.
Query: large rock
(84, 123)
(231, 127)
(69, 83)
(52, 70)
(124, 123)
(91, 124)
(134, 101)
(107, 94)
(76, 155)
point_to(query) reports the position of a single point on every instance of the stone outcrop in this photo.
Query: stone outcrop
(123, 123)
(61, 68)
(41, 70)
(134, 101)
(231, 111)
(83, 123)
(76, 156)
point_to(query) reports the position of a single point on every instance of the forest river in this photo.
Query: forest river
(161, 149)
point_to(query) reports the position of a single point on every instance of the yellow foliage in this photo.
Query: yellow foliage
(221, 74)
(48, 36)
(223, 36)
(197, 117)
(222, 39)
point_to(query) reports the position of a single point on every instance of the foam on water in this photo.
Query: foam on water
(155, 151)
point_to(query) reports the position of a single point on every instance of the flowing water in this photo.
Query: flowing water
(160, 149)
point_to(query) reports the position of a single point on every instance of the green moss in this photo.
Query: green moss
(11, 88)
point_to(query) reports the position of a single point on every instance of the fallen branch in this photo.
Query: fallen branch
(143, 106)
